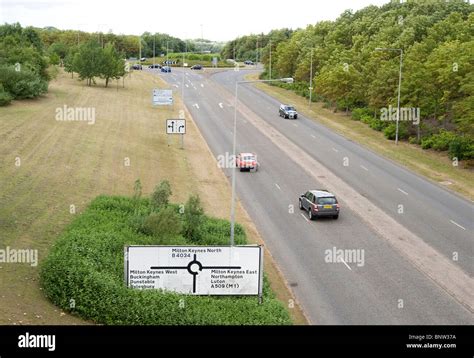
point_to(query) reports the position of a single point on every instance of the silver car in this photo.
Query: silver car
(318, 203)
(287, 111)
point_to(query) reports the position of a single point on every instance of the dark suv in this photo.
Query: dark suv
(318, 203)
(288, 112)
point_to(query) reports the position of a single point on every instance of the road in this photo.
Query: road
(387, 288)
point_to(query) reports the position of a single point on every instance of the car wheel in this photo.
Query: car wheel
(300, 204)
(335, 217)
(310, 214)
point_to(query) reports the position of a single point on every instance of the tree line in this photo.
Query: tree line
(26, 54)
(437, 39)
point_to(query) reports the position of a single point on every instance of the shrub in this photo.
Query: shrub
(391, 129)
(461, 147)
(193, 218)
(165, 223)
(442, 140)
(22, 84)
(5, 97)
(357, 113)
(378, 124)
(427, 142)
(366, 118)
(161, 195)
(86, 265)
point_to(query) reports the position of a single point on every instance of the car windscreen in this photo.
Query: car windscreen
(290, 108)
(248, 158)
(327, 201)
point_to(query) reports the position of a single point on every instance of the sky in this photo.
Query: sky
(211, 19)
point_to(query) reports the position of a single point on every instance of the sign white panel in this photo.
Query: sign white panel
(197, 270)
(162, 97)
(175, 126)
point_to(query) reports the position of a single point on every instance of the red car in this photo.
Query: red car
(247, 161)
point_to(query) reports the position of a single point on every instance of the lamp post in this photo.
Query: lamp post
(399, 84)
(311, 79)
(232, 206)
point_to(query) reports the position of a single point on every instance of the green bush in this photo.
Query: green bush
(161, 195)
(165, 223)
(5, 97)
(391, 129)
(85, 266)
(378, 124)
(357, 113)
(442, 140)
(193, 218)
(462, 148)
(366, 118)
(426, 142)
(22, 84)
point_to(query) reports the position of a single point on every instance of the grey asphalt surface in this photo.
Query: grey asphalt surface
(334, 293)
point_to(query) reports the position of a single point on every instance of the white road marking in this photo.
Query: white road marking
(364, 168)
(313, 136)
(455, 223)
(202, 85)
(334, 149)
(345, 263)
(304, 217)
(187, 85)
(196, 105)
(277, 186)
(402, 191)
(176, 86)
(221, 105)
(295, 124)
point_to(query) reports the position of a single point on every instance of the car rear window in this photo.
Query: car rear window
(327, 201)
(249, 158)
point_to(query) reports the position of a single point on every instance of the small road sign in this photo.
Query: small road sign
(175, 126)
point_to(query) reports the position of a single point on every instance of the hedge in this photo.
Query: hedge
(83, 274)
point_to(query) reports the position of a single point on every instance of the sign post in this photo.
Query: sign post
(176, 126)
(196, 270)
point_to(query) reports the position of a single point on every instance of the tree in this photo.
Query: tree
(112, 65)
(87, 61)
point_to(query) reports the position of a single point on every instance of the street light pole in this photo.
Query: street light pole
(270, 74)
(232, 204)
(153, 51)
(399, 86)
(311, 79)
